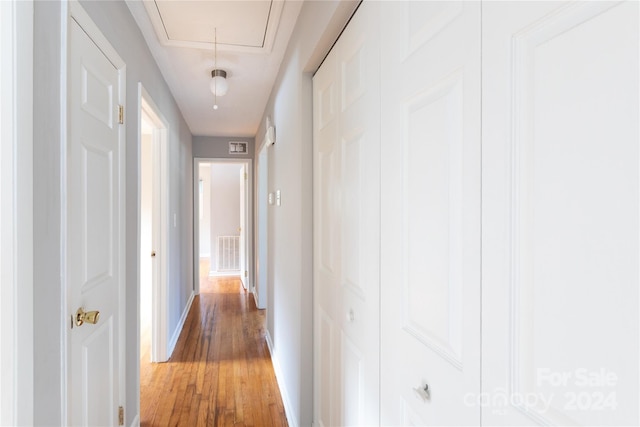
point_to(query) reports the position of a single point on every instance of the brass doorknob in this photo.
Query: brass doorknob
(86, 316)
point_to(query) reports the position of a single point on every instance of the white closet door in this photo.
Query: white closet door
(430, 255)
(94, 234)
(347, 224)
(560, 214)
(326, 242)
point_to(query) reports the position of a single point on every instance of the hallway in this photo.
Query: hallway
(220, 373)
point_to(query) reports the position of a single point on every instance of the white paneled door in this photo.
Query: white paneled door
(508, 195)
(95, 250)
(346, 229)
(430, 239)
(560, 213)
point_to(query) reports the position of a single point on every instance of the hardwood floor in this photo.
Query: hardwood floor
(221, 372)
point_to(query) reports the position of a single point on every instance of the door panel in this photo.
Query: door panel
(353, 384)
(359, 136)
(432, 235)
(560, 213)
(97, 163)
(99, 344)
(430, 212)
(93, 231)
(346, 204)
(326, 243)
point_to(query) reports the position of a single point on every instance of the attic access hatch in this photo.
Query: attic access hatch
(242, 26)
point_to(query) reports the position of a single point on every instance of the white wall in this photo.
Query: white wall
(220, 206)
(47, 285)
(225, 205)
(118, 26)
(217, 147)
(205, 210)
(289, 314)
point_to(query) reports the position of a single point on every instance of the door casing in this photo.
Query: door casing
(16, 211)
(160, 349)
(248, 223)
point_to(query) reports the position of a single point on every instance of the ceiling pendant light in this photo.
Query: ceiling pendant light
(218, 85)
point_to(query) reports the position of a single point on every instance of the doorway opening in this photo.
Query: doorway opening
(153, 230)
(222, 224)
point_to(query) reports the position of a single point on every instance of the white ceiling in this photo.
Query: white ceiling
(252, 37)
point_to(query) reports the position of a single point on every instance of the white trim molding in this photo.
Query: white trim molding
(16, 213)
(286, 400)
(136, 421)
(176, 333)
(160, 348)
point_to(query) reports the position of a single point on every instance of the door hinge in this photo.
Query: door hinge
(246, 273)
(246, 176)
(120, 416)
(121, 114)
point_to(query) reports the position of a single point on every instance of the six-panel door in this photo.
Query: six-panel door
(346, 216)
(430, 269)
(94, 257)
(509, 215)
(560, 190)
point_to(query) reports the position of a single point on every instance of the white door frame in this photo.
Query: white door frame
(262, 225)
(76, 12)
(248, 225)
(16, 213)
(244, 199)
(160, 230)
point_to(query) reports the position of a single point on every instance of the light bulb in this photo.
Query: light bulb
(218, 84)
(215, 106)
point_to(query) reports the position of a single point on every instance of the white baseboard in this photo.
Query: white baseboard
(136, 421)
(288, 408)
(176, 332)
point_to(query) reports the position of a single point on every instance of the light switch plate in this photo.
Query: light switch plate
(278, 200)
(271, 198)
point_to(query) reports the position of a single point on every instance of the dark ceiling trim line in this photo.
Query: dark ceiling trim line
(261, 46)
(164, 27)
(219, 44)
(338, 38)
(266, 27)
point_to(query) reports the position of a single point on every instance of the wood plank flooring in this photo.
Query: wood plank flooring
(220, 373)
